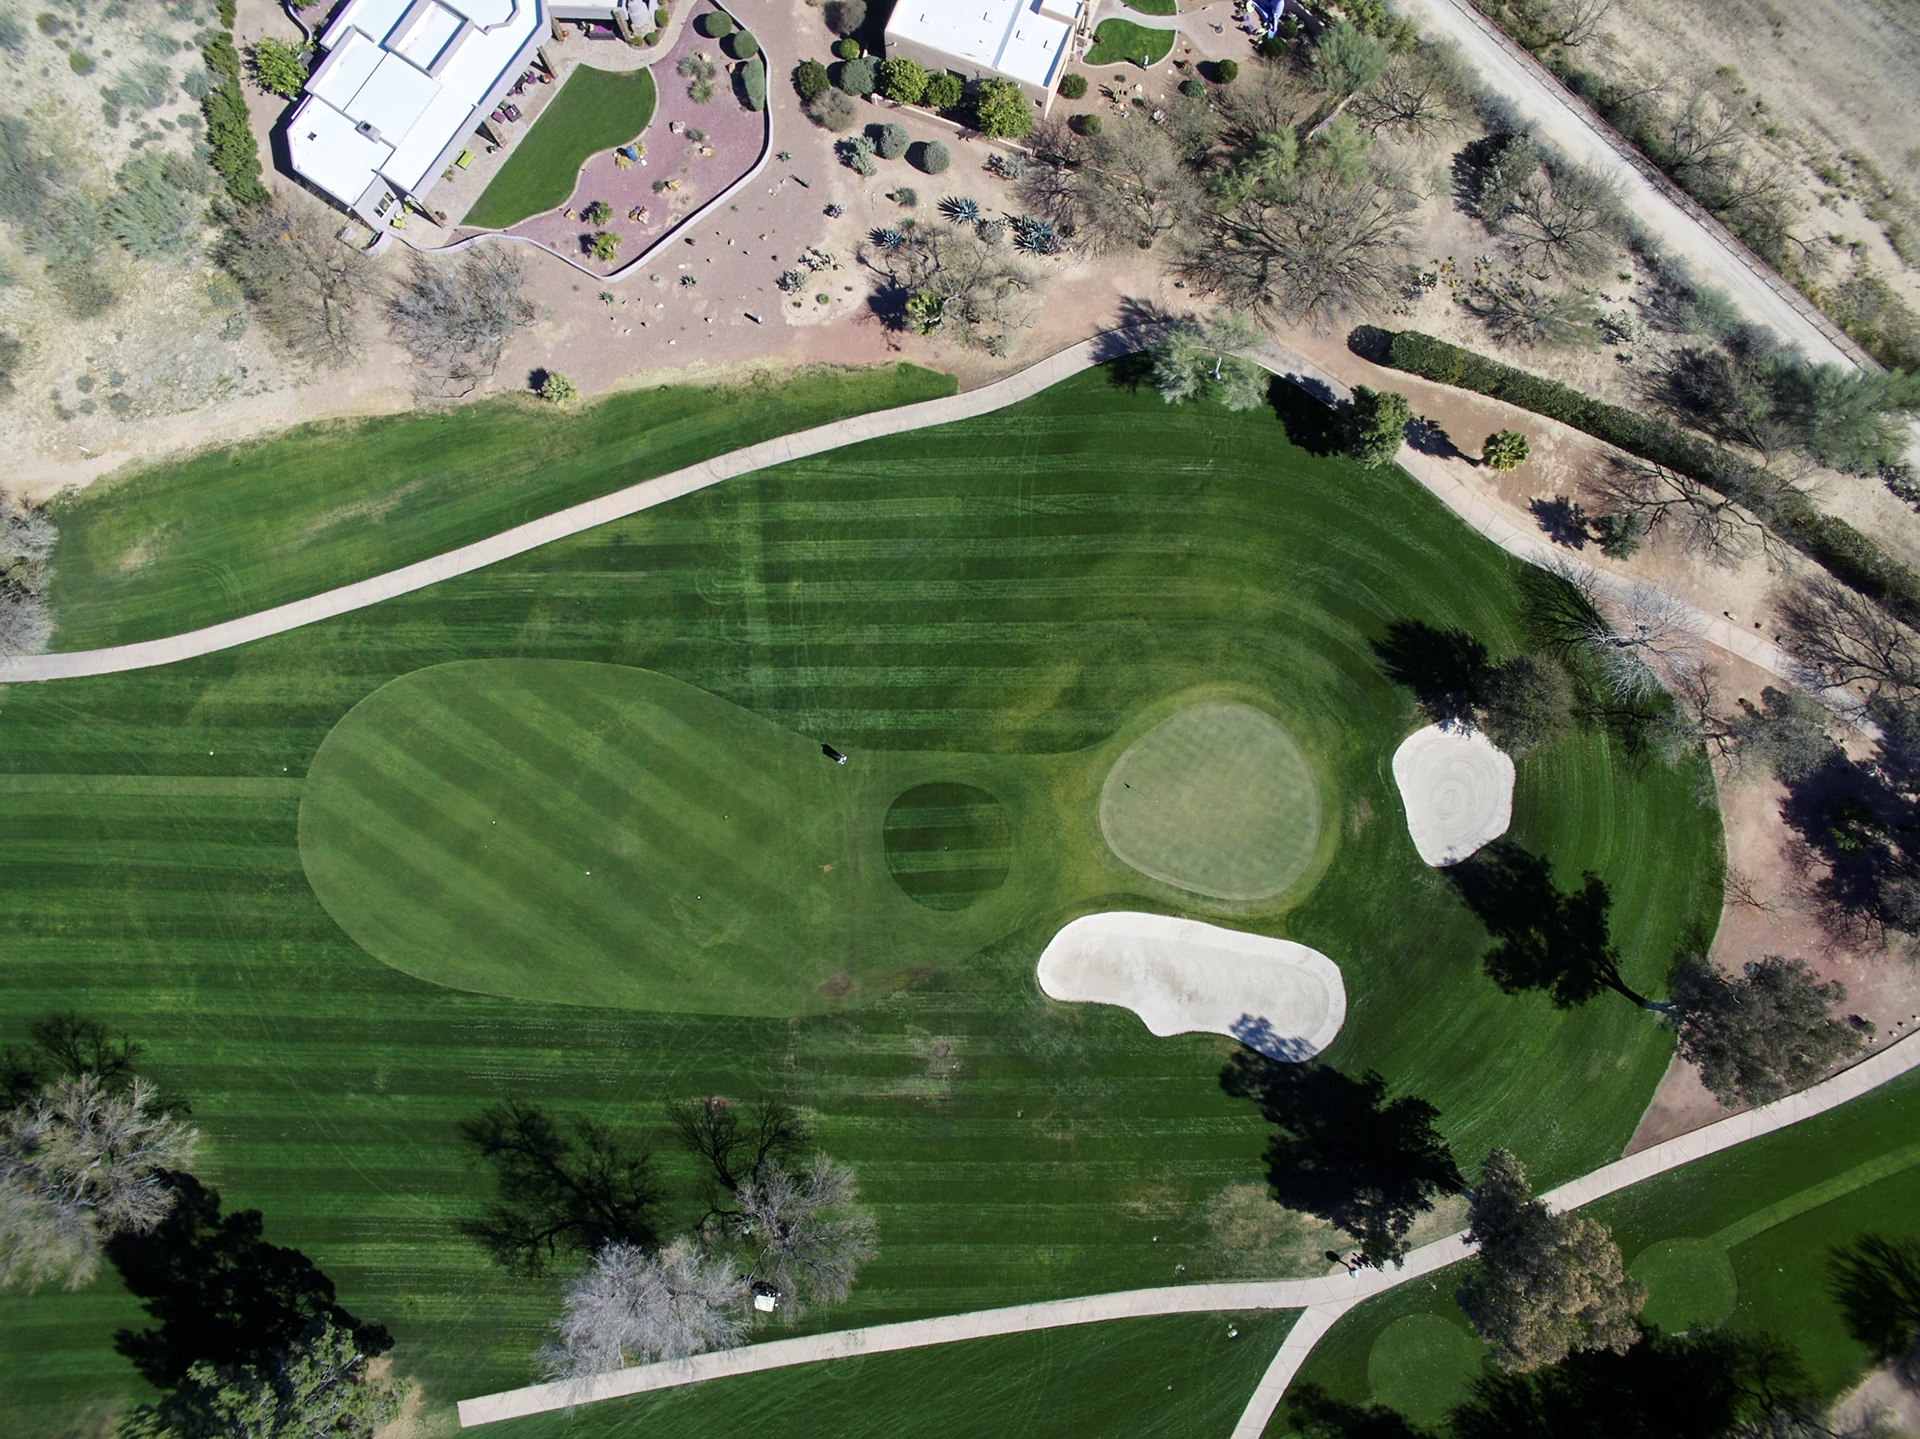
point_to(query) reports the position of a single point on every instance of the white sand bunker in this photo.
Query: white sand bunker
(1457, 786)
(1181, 977)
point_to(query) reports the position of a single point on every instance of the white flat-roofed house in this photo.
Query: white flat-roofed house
(404, 85)
(1026, 41)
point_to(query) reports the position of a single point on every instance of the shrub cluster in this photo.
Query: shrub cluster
(229, 136)
(1849, 555)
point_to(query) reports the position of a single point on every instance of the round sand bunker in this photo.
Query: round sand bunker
(1182, 977)
(1457, 786)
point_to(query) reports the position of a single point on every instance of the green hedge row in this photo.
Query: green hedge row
(229, 135)
(1845, 552)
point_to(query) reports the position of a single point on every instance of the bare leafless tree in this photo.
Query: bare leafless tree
(1568, 219)
(1417, 95)
(1309, 251)
(455, 317)
(310, 289)
(1704, 521)
(636, 1307)
(805, 1232)
(1122, 188)
(1573, 23)
(949, 280)
(1846, 639)
(79, 1163)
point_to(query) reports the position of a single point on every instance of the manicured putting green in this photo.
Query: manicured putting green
(1118, 40)
(595, 110)
(1690, 1284)
(1421, 1365)
(1217, 799)
(948, 845)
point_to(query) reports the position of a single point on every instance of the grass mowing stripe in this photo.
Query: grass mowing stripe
(1013, 1149)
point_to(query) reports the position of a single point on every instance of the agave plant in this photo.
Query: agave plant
(960, 210)
(888, 239)
(1033, 236)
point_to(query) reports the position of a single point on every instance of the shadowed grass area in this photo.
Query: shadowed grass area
(947, 844)
(1743, 1238)
(1118, 40)
(1179, 1377)
(1000, 596)
(236, 530)
(595, 110)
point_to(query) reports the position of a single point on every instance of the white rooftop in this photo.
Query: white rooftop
(401, 81)
(1025, 40)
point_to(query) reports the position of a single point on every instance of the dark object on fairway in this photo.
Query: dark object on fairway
(1876, 1284)
(220, 1292)
(1547, 939)
(1445, 669)
(571, 1190)
(1344, 1151)
(833, 754)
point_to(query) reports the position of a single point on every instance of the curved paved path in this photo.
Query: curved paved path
(1499, 526)
(1322, 1300)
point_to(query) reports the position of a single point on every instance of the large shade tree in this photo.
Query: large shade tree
(1763, 1033)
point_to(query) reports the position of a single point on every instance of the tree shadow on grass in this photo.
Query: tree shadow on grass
(220, 1292)
(1445, 669)
(1875, 1283)
(1545, 938)
(1310, 420)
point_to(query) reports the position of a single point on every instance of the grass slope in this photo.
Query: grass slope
(237, 530)
(1741, 1238)
(1012, 587)
(1174, 1377)
(595, 110)
(1115, 41)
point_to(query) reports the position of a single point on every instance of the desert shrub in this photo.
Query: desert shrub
(844, 17)
(714, 25)
(892, 141)
(1073, 87)
(156, 209)
(598, 213)
(13, 35)
(934, 157)
(753, 83)
(558, 389)
(741, 46)
(660, 18)
(847, 49)
(832, 110)
(278, 67)
(1085, 124)
(944, 91)
(1227, 71)
(902, 80)
(1193, 89)
(1000, 110)
(858, 76)
(1505, 450)
(604, 246)
(810, 79)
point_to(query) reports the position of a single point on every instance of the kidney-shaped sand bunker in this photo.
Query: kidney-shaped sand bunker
(1217, 799)
(1182, 976)
(1457, 786)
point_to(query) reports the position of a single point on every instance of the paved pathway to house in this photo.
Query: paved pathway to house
(1322, 1300)
(1503, 527)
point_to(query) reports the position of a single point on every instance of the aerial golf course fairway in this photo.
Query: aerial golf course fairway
(279, 866)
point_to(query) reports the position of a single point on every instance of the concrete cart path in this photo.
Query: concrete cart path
(1505, 528)
(1323, 1299)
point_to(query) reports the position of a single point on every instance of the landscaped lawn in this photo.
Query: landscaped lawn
(1742, 1239)
(243, 529)
(1118, 40)
(595, 110)
(1176, 1377)
(1154, 7)
(999, 605)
